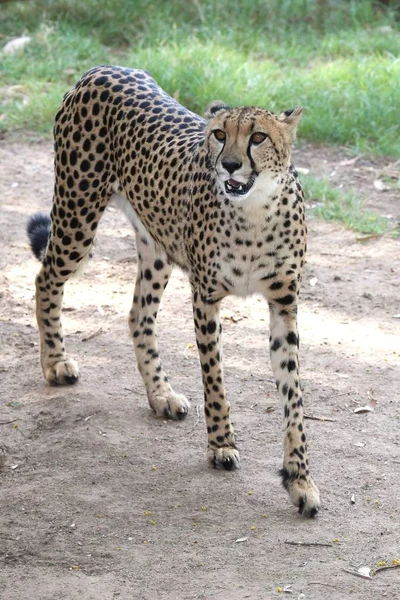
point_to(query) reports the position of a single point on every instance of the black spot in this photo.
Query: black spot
(85, 165)
(277, 285)
(276, 345)
(101, 80)
(285, 300)
(83, 185)
(211, 327)
(88, 125)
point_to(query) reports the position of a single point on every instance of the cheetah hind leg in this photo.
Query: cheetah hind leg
(153, 274)
(57, 267)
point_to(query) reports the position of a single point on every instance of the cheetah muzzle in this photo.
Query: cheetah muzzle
(217, 196)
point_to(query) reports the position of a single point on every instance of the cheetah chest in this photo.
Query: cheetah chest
(246, 273)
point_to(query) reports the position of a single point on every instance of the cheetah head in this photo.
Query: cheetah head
(249, 149)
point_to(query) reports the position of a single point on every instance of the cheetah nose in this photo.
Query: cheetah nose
(231, 165)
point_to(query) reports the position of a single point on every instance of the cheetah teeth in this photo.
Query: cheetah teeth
(237, 188)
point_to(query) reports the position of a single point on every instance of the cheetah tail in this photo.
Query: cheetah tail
(38, 229)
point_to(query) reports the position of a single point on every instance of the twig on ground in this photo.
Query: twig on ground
(92, 335)
(338, 395)
(200, 10)
(7, 422)
(319, 418)
(197, 420)
(308, 544)
(375, 571)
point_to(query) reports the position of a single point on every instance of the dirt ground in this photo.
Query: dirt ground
(101, 501)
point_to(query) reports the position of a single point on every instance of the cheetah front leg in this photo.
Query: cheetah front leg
(221, 439)
(153, 274)
(284, 345)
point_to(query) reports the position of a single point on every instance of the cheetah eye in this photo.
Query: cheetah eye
(219, 135)
(258, 137)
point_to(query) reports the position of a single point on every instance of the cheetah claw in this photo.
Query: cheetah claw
(170, 406)
(303, 493)
(225, 457)
(65, 372)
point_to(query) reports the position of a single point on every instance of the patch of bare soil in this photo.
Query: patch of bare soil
(99, 500)
(374, 180)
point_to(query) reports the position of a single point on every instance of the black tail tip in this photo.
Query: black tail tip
(38, 229)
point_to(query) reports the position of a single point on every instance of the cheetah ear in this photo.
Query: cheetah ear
(291, 118)
(214, 107)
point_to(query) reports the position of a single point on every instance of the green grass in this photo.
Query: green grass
(334, 204)
(338, 59)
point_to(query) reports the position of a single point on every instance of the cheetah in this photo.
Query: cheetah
(218, 197)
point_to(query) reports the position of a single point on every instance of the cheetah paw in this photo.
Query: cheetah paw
(170, 406)
(65, 372)
(303, 493)
(226, 457)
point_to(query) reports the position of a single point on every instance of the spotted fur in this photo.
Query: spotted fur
(218, 197)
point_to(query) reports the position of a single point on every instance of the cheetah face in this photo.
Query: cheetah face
(249, 149)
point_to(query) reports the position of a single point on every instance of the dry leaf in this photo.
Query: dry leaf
(367, 408)
(364, 572)
(351, 161)
(365, 238)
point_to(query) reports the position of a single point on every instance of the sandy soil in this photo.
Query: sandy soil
(99, 500)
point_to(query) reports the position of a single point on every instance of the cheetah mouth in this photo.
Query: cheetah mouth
(236, 188)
